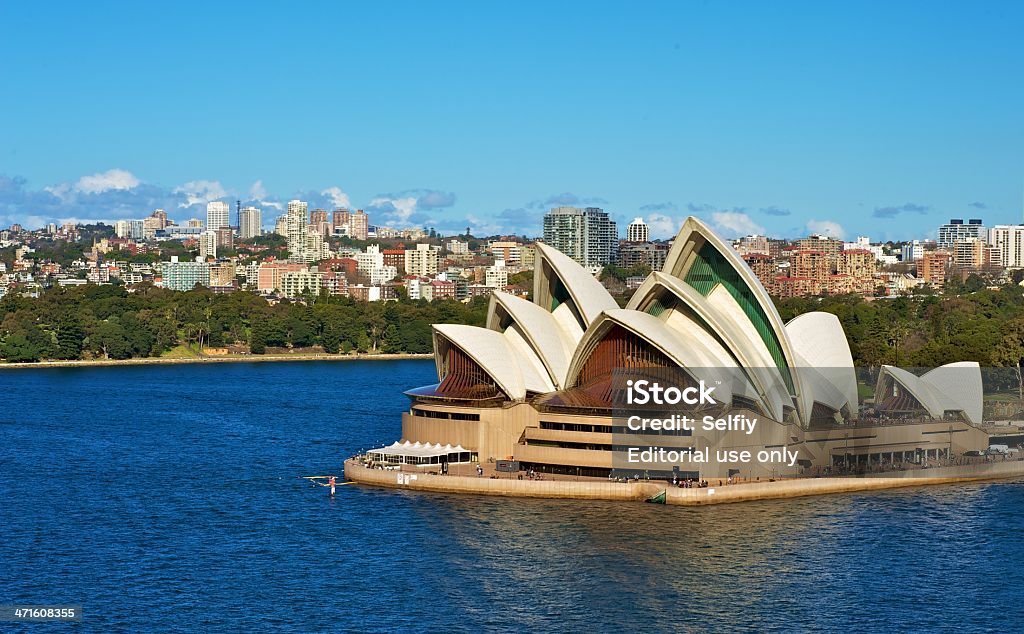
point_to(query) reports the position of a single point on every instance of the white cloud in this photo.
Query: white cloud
(106, 181)
(200, 192)
(662, 226)
(826, 227)
(735, 224)
(258, 191)
(338, 197)
(398, 210)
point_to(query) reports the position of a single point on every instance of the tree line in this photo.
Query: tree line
(109, 322)
(92, 321)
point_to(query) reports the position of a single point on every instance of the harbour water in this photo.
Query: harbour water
(165, 498)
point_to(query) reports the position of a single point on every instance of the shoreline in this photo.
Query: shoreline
(253, 358)
(644, 490)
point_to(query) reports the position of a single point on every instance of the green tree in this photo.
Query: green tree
(19, 348)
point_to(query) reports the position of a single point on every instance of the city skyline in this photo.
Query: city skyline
(759, 119)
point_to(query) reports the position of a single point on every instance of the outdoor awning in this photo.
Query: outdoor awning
(420, 453)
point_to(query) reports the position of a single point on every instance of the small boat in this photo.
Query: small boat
(657, 498)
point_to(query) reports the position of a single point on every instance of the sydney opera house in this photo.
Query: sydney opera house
(535, 385)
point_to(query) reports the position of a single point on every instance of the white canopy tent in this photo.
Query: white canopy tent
(421, 454)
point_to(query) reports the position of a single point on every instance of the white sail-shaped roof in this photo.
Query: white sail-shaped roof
(721, 318)
(549, 340)
(826, 364)
(589, 296)
(705, 262)
(954, 387)
(508, 365)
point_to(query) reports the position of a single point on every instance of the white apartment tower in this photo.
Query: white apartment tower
(208, 244)
(250, 222)
(637, 231)
(1009, 242)
(218, 214)
(296, 230)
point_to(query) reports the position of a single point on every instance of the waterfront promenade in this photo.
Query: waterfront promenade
(638, 491)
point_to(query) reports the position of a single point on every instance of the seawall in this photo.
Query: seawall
(639, 491)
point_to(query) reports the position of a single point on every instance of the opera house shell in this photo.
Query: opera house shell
(535, 384)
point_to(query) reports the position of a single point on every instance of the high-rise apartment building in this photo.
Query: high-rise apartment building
(346, 223)
(250, 222)
(955, 230)
(208, 244)
(637, 231)
(587, 235)
(296, 230)
(933, 265)
(359, 225)
(339, 220)
(1009, 241)
(130, 229)
(183, 276)
(318, 222)
(973, 253)
(218, 214)
(421, 261)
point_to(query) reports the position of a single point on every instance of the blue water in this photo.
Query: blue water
(167, 498)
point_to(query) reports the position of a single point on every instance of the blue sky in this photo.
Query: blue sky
(870, 118)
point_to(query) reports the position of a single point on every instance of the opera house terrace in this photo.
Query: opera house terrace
(539, 385)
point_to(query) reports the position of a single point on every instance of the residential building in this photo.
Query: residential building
(497, 275)
(208, 244)
(130, 229)
(150, 226)
(753, 244)
(1009, 241)
(250, 223)
(912, 251)
(358, 225)
(588, 236)
(383, 274)
(222, 275)
(857, 263)
(370, 259)
(933, 266)
(508, 250)
(218, 214)
(650, 254)
(422, 260)
(299, 283)
(268, 277)
(225, 238)
(638, 231)
(764, 268)
(458, 247)
(296, 231)
(974, 253)
(184, 275)
(955, 230)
